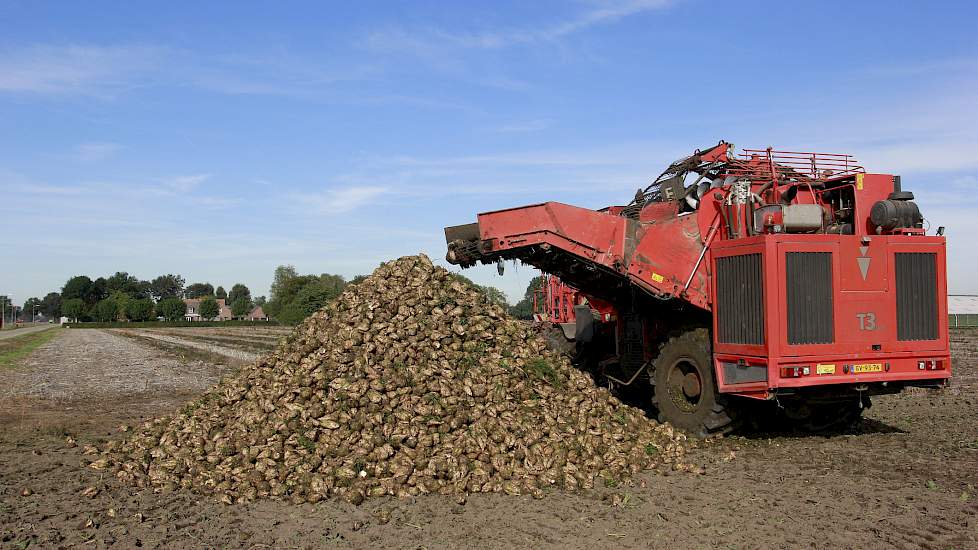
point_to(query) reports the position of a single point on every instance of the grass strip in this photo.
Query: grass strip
(12, 350)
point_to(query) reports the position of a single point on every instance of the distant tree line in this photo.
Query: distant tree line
(293, 297)
(122, 297)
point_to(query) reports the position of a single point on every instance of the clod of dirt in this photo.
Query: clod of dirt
(410, 382)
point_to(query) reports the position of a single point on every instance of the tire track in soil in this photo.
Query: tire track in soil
(232, 353)
(83, 363)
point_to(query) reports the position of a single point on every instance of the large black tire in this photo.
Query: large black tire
(685, 389)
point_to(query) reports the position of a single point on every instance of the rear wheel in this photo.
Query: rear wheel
(685, 390)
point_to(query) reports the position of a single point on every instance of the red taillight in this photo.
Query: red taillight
(930, 364)
(795, 372)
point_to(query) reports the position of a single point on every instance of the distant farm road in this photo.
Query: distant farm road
(5, 334)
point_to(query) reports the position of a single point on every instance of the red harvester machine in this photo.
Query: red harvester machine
(789, 277)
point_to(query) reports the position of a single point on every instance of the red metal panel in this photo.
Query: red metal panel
(666, 255)
(852, 296)
(935, 245)
(597, 236)
(752, 245)
(870, 188)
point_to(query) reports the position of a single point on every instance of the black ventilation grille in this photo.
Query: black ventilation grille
(633, 342)
(740, 300)
(916, 299)
(808, 281)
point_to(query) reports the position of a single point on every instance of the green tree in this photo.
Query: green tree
(76, 287)
(124, 282)
(122, 300)
(198, 290)
(209, 308)
(335, 284)
(287, 293)
(239, 292)
(294, 296)
(221, 293)
(51, 305)
(31, 305)
(284, 274)
(240, 307)
(106, 310)
(524, 308)
(260, 301)
(73, 308)
(98, 291)
(310, 298)
(171, 309)
(495, 296)
(166, 286)
(139, 310)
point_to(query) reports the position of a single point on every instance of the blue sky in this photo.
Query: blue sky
(218, 140)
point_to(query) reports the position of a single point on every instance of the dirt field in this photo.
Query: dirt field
(905, 479)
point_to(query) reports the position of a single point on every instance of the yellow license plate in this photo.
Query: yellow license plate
(824, 369)
(868, 367)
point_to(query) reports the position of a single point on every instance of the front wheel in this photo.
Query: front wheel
(685, 390)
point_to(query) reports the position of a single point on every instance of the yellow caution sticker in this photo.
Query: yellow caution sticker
(657, 278)
(867, 367)
(824, 369)
(859, 181)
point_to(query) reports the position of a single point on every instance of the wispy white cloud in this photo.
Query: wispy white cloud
(524, 126)
(76, 69)
(183, 184)
(602, 12)
(44, 189)
(928, 67)
(604, 155)
(106, 71)
(277, 73)
(216, 203)
(503, 82)
(337, 201)
(432, 43)
(14, 183)
(95, 151)
(922, 154)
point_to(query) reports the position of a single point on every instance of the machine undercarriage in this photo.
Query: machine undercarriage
(796, 279)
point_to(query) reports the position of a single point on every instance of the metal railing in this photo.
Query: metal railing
(763, 165)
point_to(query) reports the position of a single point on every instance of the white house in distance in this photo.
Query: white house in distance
(224, 311)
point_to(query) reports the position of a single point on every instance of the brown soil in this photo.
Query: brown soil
(905, 479)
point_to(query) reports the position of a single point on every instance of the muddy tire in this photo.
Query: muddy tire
(685, 389)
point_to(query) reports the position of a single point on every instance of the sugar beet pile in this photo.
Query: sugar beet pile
(409, 383)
